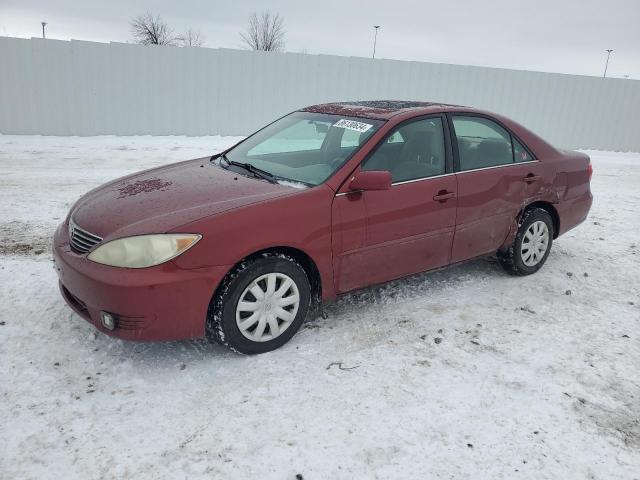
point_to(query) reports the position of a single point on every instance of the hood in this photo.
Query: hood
(162, 199)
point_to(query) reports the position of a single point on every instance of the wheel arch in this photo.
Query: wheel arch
(304, 259)
(550, 209)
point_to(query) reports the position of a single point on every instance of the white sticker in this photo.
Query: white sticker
(353, 125)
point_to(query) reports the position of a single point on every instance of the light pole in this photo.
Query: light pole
(43, 25)
(375, 39)
(608, 50)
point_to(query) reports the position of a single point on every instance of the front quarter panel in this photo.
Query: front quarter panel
(301, 221)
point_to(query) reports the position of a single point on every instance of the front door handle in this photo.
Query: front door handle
(531, 178)
(443, 196)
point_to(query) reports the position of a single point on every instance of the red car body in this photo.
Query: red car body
(346, 239)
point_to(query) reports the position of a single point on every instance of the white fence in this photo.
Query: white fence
(54, 87)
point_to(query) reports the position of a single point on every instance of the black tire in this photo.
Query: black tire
(512, 260)
(221, 316)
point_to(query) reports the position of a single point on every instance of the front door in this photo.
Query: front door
(383, 235)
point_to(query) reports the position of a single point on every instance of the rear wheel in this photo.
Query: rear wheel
(532, 244)
(260, 305)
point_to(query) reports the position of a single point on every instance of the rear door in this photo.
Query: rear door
(382, 235)
(495, 176)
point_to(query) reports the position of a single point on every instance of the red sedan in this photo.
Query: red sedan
(241, 246)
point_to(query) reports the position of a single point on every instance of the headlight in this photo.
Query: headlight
(144, 250)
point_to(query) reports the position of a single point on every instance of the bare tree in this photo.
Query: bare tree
(191, 38)
(148, 29)
(265, 32)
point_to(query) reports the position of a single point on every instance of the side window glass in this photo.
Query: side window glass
(417, 151)
(481, 143)
(395, 138)
(520, 153)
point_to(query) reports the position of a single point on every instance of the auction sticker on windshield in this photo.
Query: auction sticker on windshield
(352, 125)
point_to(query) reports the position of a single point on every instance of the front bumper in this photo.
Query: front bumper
(163, 302)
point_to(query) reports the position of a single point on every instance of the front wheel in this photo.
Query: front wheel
(532, 244)
(260, 305)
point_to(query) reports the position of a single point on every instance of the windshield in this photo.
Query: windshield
(305, 147)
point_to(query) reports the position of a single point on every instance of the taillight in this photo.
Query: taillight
(590, 170)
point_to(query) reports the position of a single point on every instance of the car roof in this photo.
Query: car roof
(381, 109)
(386, 109)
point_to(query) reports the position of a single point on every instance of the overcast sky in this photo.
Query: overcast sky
(568, 36)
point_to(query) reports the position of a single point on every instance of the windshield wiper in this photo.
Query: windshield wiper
(258, 172)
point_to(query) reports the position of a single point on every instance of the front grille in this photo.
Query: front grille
(81, 241)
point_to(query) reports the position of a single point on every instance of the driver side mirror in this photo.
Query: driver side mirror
(371, 180)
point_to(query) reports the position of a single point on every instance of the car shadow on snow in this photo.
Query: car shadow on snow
(162, 355)
(418, 285)
(178, 354)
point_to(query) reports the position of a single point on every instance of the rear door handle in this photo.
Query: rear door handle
(444, 196)
(531, 178)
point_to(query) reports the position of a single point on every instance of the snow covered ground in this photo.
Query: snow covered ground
(463, 373)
